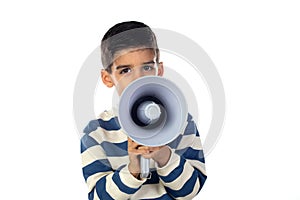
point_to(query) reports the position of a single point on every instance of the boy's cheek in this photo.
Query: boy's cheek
(121, 85)
(120, 89)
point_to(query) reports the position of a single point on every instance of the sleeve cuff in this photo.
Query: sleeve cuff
(128, 179)
(173, 162)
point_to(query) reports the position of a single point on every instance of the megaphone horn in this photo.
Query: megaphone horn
(152, 112)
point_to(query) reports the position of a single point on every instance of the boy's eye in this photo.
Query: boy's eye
(125, 70)
(148, 67)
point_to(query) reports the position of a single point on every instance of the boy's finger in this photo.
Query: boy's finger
(139, 151)
(135, 146)
(141, 147)
(154, 148)
(133, 143)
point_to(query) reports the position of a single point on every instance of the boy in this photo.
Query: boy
(111, 165)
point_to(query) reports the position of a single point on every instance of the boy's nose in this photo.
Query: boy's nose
(138, 74)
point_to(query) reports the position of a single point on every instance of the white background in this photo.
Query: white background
(255, 46)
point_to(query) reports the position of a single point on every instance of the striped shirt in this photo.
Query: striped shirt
(105, 164)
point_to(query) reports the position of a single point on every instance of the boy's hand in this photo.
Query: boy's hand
(134, 162)
(161, 155)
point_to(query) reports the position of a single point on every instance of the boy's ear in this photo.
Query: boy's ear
(160, 69)
(106, 78)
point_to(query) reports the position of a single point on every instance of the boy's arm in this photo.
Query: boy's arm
(104, 182)
(184, 174)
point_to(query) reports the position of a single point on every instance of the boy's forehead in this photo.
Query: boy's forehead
(135, 56)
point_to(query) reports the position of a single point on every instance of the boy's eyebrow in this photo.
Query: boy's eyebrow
(126, 66)
(150, 62)
(122, 66)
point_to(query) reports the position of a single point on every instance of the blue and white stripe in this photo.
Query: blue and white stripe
(105, 164)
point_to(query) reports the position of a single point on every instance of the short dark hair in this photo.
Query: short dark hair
(126, 35)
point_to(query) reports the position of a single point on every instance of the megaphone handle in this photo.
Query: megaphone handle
(145, 167)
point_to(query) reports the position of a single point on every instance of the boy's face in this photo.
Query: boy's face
(131, 66)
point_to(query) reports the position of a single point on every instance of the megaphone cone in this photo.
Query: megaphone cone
(152, 112)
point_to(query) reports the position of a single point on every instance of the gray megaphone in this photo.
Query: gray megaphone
(152, 112)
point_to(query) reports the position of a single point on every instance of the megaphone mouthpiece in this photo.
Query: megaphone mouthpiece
(148, 112)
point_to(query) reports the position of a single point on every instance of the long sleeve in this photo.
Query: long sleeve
(103, 181)
(184, 175)
(105, 165)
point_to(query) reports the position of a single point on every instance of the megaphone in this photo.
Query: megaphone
(152, 112)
